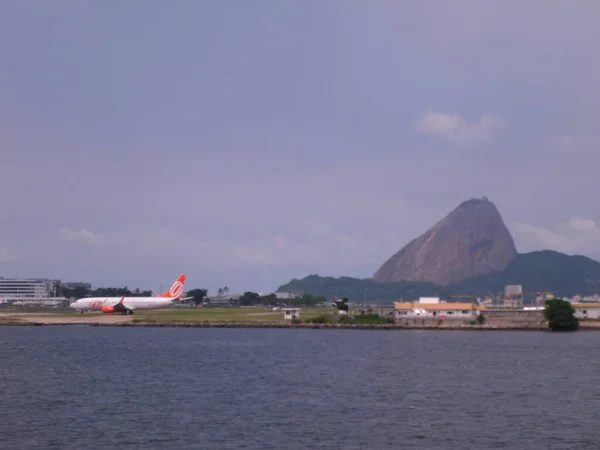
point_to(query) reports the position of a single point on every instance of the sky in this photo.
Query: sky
(246, 143)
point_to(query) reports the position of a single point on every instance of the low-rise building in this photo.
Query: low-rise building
(285, 295)
(433, 307)
(223, 299)
(77, 284)
(586, 310)
(291, 313)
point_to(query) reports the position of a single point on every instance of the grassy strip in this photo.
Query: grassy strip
(193, 315)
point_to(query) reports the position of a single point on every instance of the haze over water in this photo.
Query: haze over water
(155, 388)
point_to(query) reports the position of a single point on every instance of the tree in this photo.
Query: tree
(79, 292)
(342, 305)
(560, 315)
(198, 295)
(269, 300)
(225, 290)
(220, 292)
(249, 299)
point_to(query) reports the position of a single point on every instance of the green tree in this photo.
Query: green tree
(79, 292)
(342, 305)
(560, 315)
(269, 300)
(198, 295)
(249, 299)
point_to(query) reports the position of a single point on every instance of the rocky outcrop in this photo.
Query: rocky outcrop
(471, 241)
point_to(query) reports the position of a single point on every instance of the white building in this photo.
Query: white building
(223, 299)
(14, 288)
(291, 313)
(432, 307)
(429, 300)
(287, 295)
(513, 289)
(77, 284)
(586, 310)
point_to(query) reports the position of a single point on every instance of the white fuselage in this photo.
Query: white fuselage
(133, 303)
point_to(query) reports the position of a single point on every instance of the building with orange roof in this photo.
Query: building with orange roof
(433, 307)
(586, 310)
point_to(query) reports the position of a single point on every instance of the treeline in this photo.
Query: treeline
(199, 296)
(364, 290)
(253, 299)
(80, 292)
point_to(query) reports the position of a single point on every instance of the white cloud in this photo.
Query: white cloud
(577, 236)
(457, 130)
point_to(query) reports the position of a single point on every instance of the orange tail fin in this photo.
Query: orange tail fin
(176, 290)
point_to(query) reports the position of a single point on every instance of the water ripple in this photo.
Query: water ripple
(97, 388)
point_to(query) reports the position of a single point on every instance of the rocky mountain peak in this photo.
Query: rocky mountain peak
(472, 240)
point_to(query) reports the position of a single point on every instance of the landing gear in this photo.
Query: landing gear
(131, 312)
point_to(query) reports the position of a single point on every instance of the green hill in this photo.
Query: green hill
(542, 271)
(356, 289)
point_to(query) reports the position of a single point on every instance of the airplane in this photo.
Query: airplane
(126, 305)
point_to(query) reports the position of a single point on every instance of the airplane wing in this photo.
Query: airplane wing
(120, 307)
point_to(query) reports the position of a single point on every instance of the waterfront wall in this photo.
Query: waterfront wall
(415, 324)
(456, 325)
(514, 314)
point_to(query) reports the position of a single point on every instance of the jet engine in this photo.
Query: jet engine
(108, 309)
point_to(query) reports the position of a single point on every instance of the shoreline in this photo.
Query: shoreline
(391, 327)
(249, 319)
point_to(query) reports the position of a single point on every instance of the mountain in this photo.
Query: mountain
(541, 271)
(469, 252)
(470, 241)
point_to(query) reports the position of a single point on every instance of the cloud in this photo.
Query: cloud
(457, 130)
(576, 236)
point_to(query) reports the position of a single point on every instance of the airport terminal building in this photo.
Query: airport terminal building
(29, 291)
(15, 288)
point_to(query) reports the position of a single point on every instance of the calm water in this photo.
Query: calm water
(154, 388)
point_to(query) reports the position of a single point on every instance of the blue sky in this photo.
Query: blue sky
(247, 143)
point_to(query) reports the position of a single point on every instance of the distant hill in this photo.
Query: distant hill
(542, 271)
(354, 289)
(546, 271)
(470, 241)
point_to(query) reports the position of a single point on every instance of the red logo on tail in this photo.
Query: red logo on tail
(176, 290)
